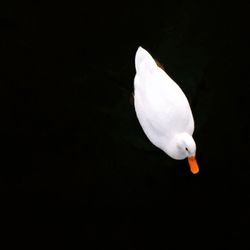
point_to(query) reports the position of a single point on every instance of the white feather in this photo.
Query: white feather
(161, 107)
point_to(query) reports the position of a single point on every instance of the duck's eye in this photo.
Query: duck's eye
(186, 149)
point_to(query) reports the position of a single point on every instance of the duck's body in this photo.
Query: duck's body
(162, 108)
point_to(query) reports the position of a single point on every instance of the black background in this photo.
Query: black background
(75, 164)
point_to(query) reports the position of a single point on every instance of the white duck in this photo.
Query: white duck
(163, 110)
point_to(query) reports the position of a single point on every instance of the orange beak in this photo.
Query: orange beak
(193, 164)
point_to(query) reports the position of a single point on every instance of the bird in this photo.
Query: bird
(163, 110)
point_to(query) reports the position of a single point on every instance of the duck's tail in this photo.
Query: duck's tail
(144, 61)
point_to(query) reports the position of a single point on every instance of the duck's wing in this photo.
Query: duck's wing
(157, 94)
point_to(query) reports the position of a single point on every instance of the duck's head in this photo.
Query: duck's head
(183, 146)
